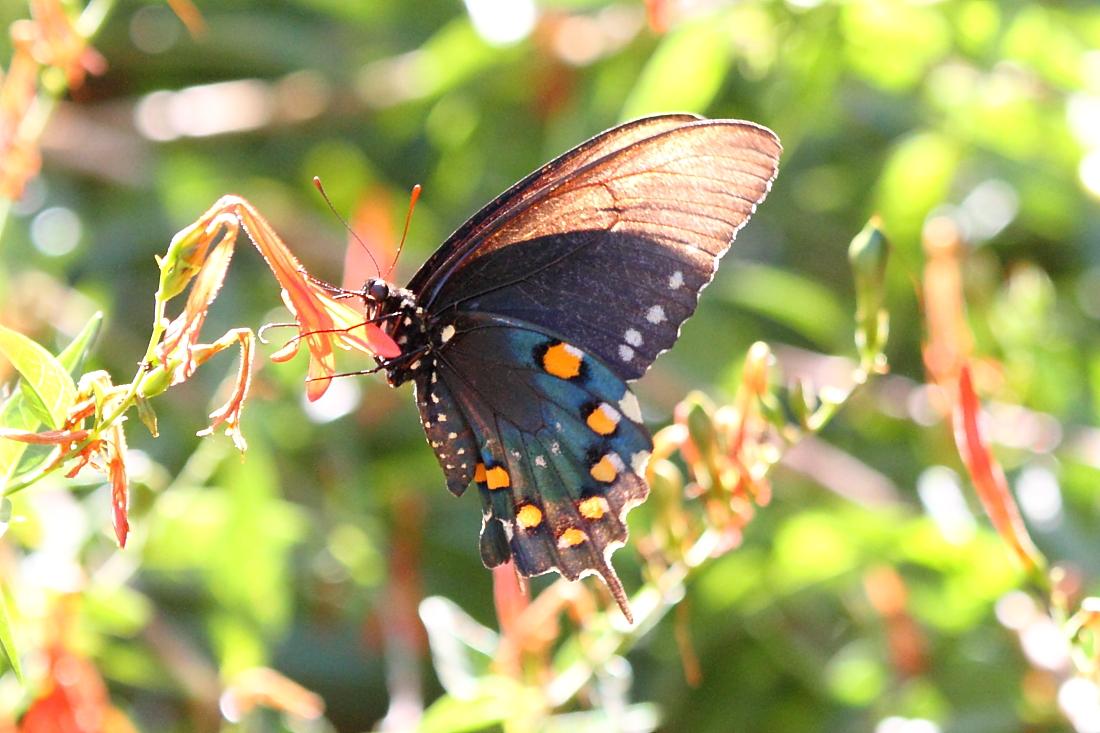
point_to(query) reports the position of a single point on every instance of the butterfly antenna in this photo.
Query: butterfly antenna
(413, 197)
(317, 183)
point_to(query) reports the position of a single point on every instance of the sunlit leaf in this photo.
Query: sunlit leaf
(7, 640)
(72, 356)
(5, 510)
(497, 700)
(48, 389)
(793, 300)
(684, 73)
(916, 178)
(893, 43)
(14, 414)
(857, 674)
(14, 458)
(1045, 41)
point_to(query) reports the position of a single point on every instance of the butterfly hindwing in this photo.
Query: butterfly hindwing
(562, 461)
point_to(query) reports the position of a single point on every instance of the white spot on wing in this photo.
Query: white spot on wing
(447, 334)
(630, 407)
(555, 448)
(540, 461)
(610, 413)
(655, 315)
(676, 281)
(564, 544)
(633, 337)
(625, 352)
(638, 462)
(452, 436)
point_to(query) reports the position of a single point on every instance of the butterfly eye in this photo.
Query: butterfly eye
(377, 290)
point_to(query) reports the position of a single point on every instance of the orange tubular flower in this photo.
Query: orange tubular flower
(988, 476)
(229, 414)
(115, 451)
(323, 315)
(54, 41)
(19, 158)
(181, 338)
(46, 437)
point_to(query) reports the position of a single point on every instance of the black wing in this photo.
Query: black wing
(610, 244)
(552, 437)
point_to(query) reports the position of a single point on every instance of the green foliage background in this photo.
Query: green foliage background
(297, 557)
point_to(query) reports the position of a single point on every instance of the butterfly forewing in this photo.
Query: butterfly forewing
(614, 255)
(441, 264)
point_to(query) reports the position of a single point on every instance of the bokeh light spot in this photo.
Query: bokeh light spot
(155, 29)
(502, 22)
(342, 397)
(56, 231)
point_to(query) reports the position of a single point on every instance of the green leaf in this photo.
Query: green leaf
(685, 73)
(72, 357)
(498, 700)
(5, 515)
(8, 641)
(798, 302)
(14, 414)
(36, 403)
(48, 389)
(915, 179)
(17, 413)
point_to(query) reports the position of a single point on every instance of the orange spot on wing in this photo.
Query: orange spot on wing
(603, 420)
(571, 537)
(498, 478)
(479, 473)
(529, 516)
(593, 508)
(563, 361)
(605, 470)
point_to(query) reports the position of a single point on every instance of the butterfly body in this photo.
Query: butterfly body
(521, 332)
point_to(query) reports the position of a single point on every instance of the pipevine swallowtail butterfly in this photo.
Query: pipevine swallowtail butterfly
(521, 332)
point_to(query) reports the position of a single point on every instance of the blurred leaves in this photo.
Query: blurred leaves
(684, 73)
(967, 126)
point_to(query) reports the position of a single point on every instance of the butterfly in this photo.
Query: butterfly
(521, 332)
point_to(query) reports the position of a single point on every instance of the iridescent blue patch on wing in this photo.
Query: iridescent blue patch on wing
(566, 433)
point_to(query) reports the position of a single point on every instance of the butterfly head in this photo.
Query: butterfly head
(376, 290)
(386, 304)
(395, 311)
